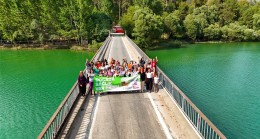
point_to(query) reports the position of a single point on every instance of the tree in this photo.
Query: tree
(174, 24)
(127, 21)
(98, 25)
(249, 35)
(229, 12)
(233, 32)
(256, 21)
(148, 27)
(213, 32)
(195, 25)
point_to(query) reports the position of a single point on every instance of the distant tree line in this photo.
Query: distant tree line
(51, 20)
(198, 20)
(147, 21)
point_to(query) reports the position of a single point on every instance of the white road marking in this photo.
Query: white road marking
(131, 58)
(111, 48)
(183, 114)
(94, 117)
(160, 118)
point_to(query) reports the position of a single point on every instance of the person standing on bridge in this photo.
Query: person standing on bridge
(148, 80)
(91, 76)
(154, 62)
(82, 82)
(156, 83)
(141, 62)
(88, 65)
(142, 75)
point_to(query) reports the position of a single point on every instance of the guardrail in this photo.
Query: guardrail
(199, 121)
(59, 117)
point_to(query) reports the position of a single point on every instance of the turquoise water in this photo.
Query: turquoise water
(223, 80)
(32, 85)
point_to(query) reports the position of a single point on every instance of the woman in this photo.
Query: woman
(106, 65)
(142, 74)
(129, 73)
(116, 74)
(102, 67)
(148, 80)
(100, 74)
(91, 76)
(122, 72)
(154, 62)
(82, 82)
(88, 65)
(135, 71)
(109, 72)
(105, 73)
(149, 66)
(156, 82)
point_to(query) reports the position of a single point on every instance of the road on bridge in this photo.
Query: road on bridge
(125, 115)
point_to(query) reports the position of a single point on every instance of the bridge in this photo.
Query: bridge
(129, 115)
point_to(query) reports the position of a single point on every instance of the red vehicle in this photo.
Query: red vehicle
(118, 30)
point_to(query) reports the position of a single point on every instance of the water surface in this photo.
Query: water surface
(32, 85)
(223, 80)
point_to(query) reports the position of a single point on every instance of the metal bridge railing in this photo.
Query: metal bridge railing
(58, 119)
(199, 121)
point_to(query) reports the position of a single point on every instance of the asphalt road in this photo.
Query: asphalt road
(117, 49)
(125, 115)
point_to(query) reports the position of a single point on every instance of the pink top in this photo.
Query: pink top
(153, 64)
(109, 73)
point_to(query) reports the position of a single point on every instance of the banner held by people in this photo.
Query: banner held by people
(116, 84)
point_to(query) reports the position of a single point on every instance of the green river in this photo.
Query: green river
(223, 80)
(33, 84)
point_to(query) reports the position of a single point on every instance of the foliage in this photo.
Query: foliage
(127, 21)
(213, 32)
(148, 21)
(173, 24)
(195, 24)
(148, 26)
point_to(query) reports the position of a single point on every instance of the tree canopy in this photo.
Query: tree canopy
(147, 21)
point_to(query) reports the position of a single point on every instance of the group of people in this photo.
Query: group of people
(115, 68)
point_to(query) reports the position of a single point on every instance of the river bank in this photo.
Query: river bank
(50, 47)
(169, 44)
(164, 44)
(93, 47)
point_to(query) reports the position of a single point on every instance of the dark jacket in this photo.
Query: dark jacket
(142, 76)
(82, 80)
(141, 62)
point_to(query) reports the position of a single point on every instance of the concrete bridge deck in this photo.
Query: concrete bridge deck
(127, 115)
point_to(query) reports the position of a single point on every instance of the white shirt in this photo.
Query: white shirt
(107, 66)
(91, 77)
(148, 75)
(102, 68)
(156, 80)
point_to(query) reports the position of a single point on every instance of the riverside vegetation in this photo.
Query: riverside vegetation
(148, 22)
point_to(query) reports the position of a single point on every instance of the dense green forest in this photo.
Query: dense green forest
(146, 21)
